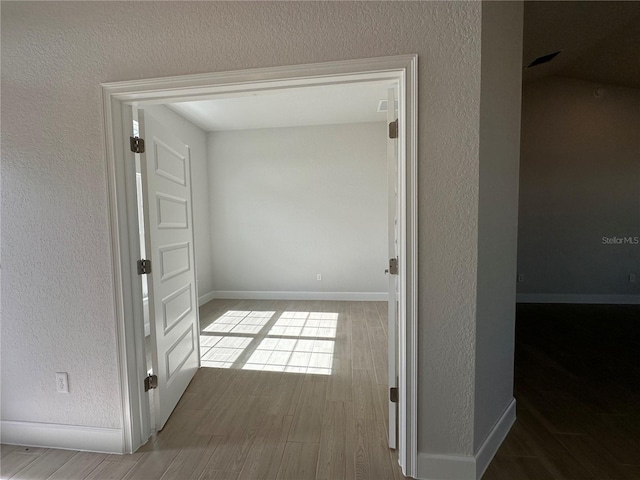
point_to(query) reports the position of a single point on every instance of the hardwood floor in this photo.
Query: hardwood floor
(577, 387)
(267, 407)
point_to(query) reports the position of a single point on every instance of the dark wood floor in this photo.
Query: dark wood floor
(577, 387)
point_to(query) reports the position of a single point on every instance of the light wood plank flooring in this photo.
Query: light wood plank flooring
(288, 390)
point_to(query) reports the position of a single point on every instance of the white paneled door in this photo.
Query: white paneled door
(173, 307)
(392, 175)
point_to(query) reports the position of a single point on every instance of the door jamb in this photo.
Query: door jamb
(118, 98)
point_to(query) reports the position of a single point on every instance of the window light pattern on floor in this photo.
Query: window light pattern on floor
(296, 342)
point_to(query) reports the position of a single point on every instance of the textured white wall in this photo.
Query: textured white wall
(56, 282)
(196, 138)
(498, 212)
(580, 178)
(288, 203)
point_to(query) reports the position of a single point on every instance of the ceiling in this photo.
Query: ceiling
(318, 105)
(599, 40)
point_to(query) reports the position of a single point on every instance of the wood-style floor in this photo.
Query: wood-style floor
(299, 392)
(577, 387)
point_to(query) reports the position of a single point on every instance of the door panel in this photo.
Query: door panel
(173, 307)
(392, 175)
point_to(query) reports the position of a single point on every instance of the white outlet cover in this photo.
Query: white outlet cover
(62, 382)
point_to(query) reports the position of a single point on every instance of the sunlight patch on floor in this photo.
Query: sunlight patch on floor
(297, 342)
(292, 355)
(235, 321)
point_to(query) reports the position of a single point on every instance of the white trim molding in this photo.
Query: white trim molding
(578, 298)
(492, 443)
(207, 297)
(147, 324)
(266, 295)
(118, 98)
(446, 467)
(467, 467)
(68, 437)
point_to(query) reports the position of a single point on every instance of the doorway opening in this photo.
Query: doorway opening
(122, 98)
(269, 206)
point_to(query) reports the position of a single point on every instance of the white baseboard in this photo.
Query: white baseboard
(207, 297)
(495, 438)
(446, 467)
(578, 298)
(264, 295)
(467, 467)
(67, 437)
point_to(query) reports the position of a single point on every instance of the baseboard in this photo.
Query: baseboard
(207, 297)
(578, 298)
(467, 467)
(495, 438)
(446, 467)
(265, 295)
(67, 437)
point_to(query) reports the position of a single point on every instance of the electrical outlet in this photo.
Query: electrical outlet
(521, 277)
(62, 382)
(632, 278)
(319, 276)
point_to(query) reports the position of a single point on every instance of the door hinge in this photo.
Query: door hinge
(137, 144)
(150, 382)
(393, 394)
(144, 267)
(393, 266)
(393, 129)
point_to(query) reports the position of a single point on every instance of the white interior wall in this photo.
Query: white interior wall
(580, 172)
(55, 210)
(196, 139)
(290, 203)
(498, 222)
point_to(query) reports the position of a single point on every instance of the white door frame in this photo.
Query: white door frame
(118, 99)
